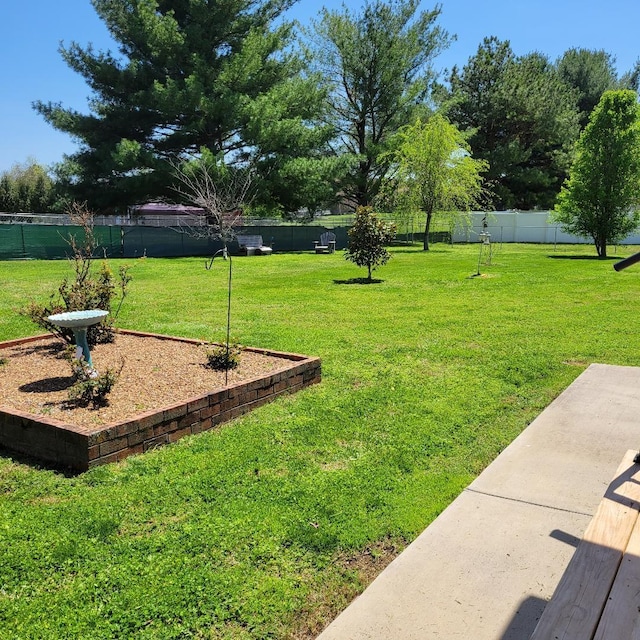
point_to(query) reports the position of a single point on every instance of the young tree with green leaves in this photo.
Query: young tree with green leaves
(377, 69)
(601, 196)
(368, 238)
(434, 170)
(188, 76)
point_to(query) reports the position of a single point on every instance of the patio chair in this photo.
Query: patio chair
(327, 243)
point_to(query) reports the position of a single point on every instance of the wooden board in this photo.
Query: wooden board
(621, 617)
(574, 610)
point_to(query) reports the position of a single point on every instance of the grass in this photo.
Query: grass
(267, 527)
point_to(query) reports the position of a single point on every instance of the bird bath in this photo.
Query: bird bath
(79, 322)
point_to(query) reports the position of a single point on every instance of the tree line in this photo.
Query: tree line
(321, 115)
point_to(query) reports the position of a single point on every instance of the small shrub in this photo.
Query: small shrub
(221, 358)
(92, 387)
(87, 289)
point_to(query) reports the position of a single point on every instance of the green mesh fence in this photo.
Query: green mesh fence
(34, 241)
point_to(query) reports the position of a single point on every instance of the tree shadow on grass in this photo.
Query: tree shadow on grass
(359, 281)
(571, 257)
(420, 251)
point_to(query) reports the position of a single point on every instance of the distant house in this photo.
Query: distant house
(162, 214)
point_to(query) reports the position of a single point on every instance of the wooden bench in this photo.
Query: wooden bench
(598, 596)
(253, 245)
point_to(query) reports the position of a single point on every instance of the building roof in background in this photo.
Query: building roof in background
(164, 207)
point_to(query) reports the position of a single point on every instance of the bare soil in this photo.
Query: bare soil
(35, 377)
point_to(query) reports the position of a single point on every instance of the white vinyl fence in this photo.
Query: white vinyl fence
(525, 226)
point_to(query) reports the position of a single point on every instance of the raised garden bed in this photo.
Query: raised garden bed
(159, 401)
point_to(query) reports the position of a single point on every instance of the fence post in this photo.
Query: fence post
(24, 250)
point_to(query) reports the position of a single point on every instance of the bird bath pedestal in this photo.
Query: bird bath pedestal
(79, 322)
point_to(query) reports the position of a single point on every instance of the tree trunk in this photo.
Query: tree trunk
(601, 247)
(427, 225)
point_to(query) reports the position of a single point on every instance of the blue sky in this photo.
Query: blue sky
(31, 67)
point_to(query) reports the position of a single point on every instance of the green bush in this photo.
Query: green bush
(91, 387)
(87, 289)
(367, 240)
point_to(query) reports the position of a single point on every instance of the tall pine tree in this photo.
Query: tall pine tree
(191, 75)
(376, 66)
(521, 118)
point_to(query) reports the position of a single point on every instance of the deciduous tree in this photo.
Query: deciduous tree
(601, 197)
(220, 194)
(435, 170)
(27, 188)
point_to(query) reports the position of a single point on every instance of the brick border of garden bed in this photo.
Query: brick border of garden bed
(81, 448)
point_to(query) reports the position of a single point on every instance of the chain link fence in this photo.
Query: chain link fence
(41, 236)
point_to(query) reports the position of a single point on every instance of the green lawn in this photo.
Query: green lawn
(267, 527)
